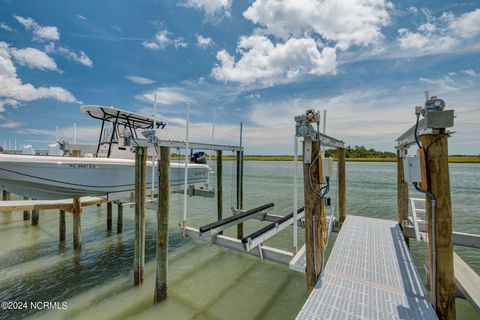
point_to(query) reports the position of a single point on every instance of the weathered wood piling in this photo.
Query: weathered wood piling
(26, 213)
(119, 218)
(312, 208)
(35, 216)
(161, 279)
(77, 223)
(436, 151)
(61, 225)
(140, 224)
(109, 215)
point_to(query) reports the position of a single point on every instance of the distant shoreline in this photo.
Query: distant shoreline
(453, 159)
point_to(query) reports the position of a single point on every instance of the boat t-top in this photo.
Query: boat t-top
(108, 170)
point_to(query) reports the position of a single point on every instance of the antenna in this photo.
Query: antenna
(427, 95)
(155, 136)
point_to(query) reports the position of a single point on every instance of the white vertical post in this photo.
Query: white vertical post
(295, 192)
(211, 151)
(74, 133)
(185, 181)
(154, 148)
(15, 144)
(56, 134)
(324, 121)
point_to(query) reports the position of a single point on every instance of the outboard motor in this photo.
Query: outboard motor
(198, 157)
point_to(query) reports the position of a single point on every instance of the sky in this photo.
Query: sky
(260, 62)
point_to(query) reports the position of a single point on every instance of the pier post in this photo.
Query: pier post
(312, 231)
(402, 190)
(61, 225)
(342, 188)
(140, 189)
(219, 185)
(161, 278)
(26, 213)
(240, 190)
(119, 218)
(109, 216)
(77, 224)
(35, 216)
(436, 154)
(6, 196)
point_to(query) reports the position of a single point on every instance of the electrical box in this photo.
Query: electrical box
(411, 169)
(327, 167)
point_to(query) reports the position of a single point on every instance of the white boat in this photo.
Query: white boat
(54, 177)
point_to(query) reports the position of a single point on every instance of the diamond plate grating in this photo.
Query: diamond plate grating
(369, 275)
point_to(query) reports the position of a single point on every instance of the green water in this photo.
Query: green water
(205, 282)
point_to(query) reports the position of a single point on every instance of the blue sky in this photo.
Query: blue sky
(367, 62)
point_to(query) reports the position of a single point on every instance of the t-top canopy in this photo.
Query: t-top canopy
(121, 117)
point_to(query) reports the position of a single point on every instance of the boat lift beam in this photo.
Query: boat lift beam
(258, 237)
(218, 226)
(263, 252)
(197, 145)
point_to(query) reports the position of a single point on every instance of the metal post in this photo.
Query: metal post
(342, 188)
(219, 185)
(240, 182)
(185, 180)
(295, 193)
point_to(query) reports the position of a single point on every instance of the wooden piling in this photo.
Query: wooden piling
(240, 191)
(140, 189)
(436, 149)
(109, 216)
(402, 191)
(77, 223)
(35, 216)
(26, 213)
(161, 279)
(119, 218)
(312, 231)
(342, 188)
(6, 196)
(219, 185)
(61, 225)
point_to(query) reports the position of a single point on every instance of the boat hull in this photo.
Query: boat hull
(45, 177)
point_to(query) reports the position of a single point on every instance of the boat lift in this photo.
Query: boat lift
(253, 243)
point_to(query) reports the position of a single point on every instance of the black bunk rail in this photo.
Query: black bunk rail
(234, 218)
(269, 227)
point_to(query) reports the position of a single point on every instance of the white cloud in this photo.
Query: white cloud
(81, 57)
(267, 63)
(447, 33)
(470, 72)
(9, 124)
(162, 40)
(33, 58)
(204, 42)
(12, 90)
(444, 84)
(39, 32)
(211, 8)
(347, 22)
(140, 80)
(165, 96)
(5, 26)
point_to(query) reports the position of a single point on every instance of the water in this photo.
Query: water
(205, 282)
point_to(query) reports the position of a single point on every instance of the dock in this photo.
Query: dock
(369, 275)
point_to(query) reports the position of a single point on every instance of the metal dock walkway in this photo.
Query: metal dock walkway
(369, 275)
